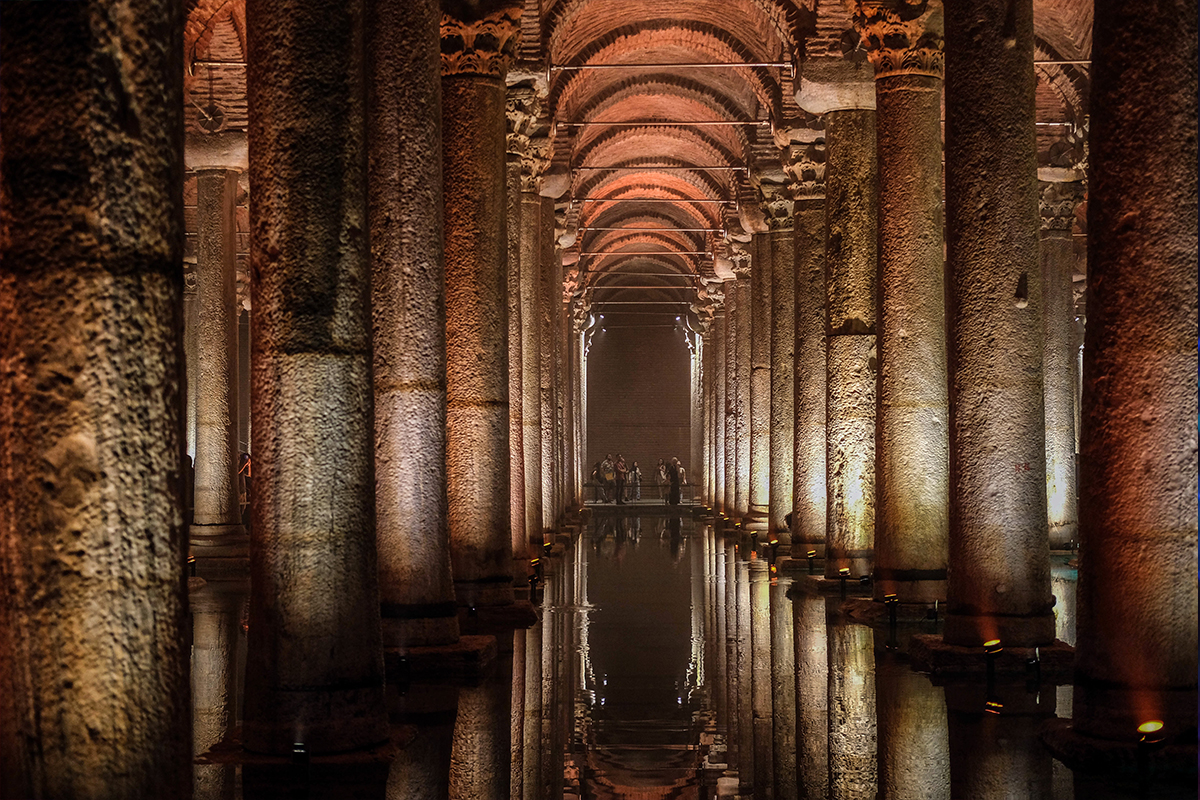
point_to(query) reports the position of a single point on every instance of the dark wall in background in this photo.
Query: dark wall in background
(638, 394)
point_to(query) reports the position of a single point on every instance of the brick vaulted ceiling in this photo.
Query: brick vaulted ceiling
(628, 170)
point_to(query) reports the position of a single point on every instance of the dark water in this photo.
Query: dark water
(668, 664)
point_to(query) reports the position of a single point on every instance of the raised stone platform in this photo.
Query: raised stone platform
(931, 654)
(470, 659)
(1101, 755)
(229, 751)
(493, 620)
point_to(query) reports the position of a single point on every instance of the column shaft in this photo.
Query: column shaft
(476, 338)
(999, 552)
(783, 374)
(760, 674)
(314, 662)
(719, 356)
(853, 767)
(516, 421)
(1136, 657)
(531, 360)
(741, 495)
(93, 654)
(409, 323)
(760, 380)
(809, 479)
(913, 484)
(547, 306)
(733, 320)
(783, 691)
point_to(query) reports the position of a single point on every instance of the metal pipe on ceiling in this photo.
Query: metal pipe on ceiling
(677, 123)
(658, 230)
(687, 65)
(662, 167)
(651, 200)
(647, 253)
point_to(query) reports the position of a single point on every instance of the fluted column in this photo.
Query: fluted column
(1136, 656)
(93, 662)
(778, 206)
(409, 313)
(999, 583)
(1061, 193)
(913, 480)
(851, 281)
(760, 382)
(733, 320)
(474, 62)
(805, 164)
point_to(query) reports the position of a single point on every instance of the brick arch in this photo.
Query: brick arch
(593, 184)
(726, 146)
(204, 30)
(1068, 82)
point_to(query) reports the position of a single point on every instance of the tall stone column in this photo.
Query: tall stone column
(531, 233)
(474, 60)
(761, 681)
(812, 695)
(853, 757)
(913, 480)
(1061, 192)
(409, 323)
(516, 427)
(805, 163)
(743, 664)
(733, 320)
(1136, 657)
(741, 288)
(216, 620)
(93, 662)
(314, 660)
(783, 691)
(719, 356)
(760, 383)
(851, 283)
(914, 742)
(778, 207)
(698, 456)
(999, 580)
(547, 308)
(707, 390)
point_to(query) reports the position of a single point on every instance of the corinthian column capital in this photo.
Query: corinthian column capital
(527, 138)
(804, 163)
(1057, 201)
(485, 46)
(777, 205)
(902, 37)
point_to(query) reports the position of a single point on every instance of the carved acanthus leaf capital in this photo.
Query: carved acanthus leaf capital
(741, 261)
(804, 164)
(902, 37)
(1057, 202)
(481, 47)
(777, 206)
(526, 139)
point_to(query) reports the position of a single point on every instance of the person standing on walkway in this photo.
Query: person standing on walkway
(635, 482)
(675, 477)
(622, 474)
(660, 477)
(609, 473)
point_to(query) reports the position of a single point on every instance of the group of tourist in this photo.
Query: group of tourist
(617, 482)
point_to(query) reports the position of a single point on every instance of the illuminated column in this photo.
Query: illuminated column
(760, 382)
(216, 619)
(473, 121)
(707, 389)
(913, 482)
(548, 304)
(531, 359)
(404, 196)
(217, 519)
(743, 664)
(719, 355)
(699, 451)
(805, 164)
(479, 757)
(999, 581)
(783, 691)
(778, 207)
(1136, 655)
(314, 669)
(760, 673)
(734, 724)
(1061, 192)
(724, 700)
(914, 742)
(733, 320)
(532, 730)
(516, 421)
(851, 281)
(812, 696)
(853, 771)
(741, 289)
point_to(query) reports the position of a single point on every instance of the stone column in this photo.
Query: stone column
(851, 283)
(913, 481)
(1136, 657)
(778, 207)
(699, 455)
(547, 307)
(217, 518)
(474, 60)
(743, 665)
(783, 691)
(760, 383)
(216, 619)
(805, 163)
(761, 680)
(479, 757)
(914, 742)
(706, 391)
(733, 320)
(516, 422)
(729, 638)
(93, 612)
(314, 669)
(853, 769)
(719, 356)
(1061, 192)
(409, 314)
(741, 288)
(531, 233)
(999, 583)
(812, 695)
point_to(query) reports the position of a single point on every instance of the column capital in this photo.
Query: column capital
(741, 261)
(902, 37)
(777, 205)
(527, 139)
(1057, 201)
(804, 163)
(485, 46)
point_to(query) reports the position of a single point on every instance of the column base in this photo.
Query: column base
(1079, 751)
(495, 591)
(973, 630)
(468, 660)
(860, 563)
(221, 552)
(431, 625)
(911, 586)
(819, 584)
(326, 720)
(495, 620)
(930, 653)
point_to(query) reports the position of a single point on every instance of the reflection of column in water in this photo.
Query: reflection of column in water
(995, 756)
(760, 671)
(726, 644)
(516, 717)
(783, 690)
(914, 756)
(852, 753)
(479, 759)
(532, 752)
(812, 697)
(551, 611)
(421, 771)
(215, 620)
(744, 684)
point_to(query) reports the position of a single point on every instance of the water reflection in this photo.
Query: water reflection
(669, 662)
